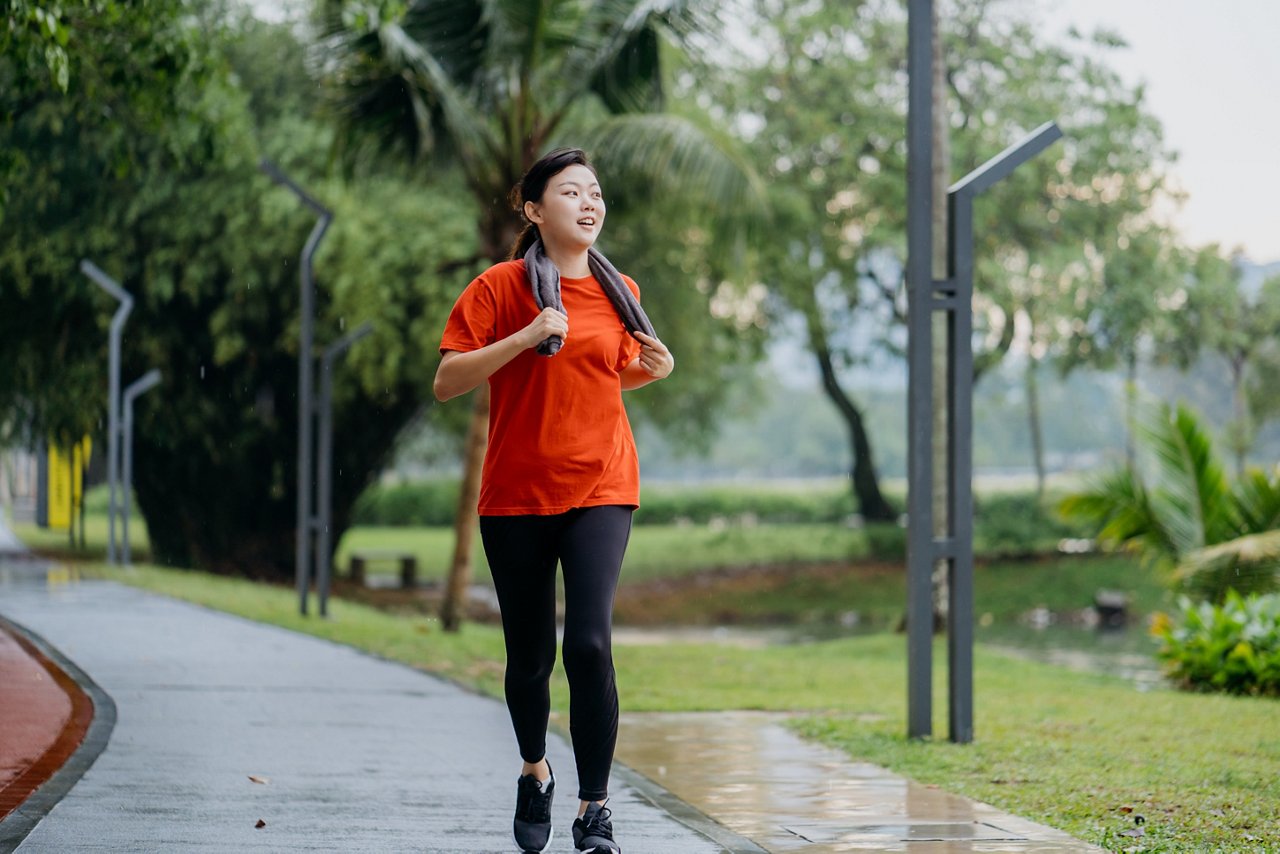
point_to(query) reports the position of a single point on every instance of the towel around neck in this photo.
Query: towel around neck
(544, 277)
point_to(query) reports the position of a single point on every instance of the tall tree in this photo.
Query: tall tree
(488, 87)
(1222, 318)
(207, 246)
(825, 132)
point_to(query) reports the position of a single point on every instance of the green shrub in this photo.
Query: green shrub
(763, 504)
(1015, 524)
(424, 502)
(1233, 647)
(886, 541)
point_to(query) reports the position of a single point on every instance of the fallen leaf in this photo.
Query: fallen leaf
(262, 780)
(1126, 810)
(260, 824)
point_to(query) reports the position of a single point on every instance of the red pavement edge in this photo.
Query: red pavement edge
(35, 720)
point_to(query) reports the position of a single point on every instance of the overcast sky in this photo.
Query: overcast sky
(1212, 72)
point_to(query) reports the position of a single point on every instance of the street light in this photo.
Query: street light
(144, 383)
(113, 393)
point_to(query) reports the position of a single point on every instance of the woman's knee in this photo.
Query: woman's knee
(587, 652)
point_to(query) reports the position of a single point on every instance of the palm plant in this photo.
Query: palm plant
(1186, 517)
(487, 86)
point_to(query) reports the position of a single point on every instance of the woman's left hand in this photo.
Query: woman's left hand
(655, 358)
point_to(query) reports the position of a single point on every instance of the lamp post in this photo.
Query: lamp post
(306, 404)
(324, 524)
(109, 285)
(953, 297)
(144, 383)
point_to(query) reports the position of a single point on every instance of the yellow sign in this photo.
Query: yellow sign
(66, 481)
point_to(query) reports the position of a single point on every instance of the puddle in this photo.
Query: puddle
(763, 782)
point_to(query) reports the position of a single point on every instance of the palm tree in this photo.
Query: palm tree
(487, 86)
(1187, 518)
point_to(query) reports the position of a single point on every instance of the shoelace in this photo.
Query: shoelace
(538, 805)
(600, 822)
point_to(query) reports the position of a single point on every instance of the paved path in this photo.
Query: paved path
(361, 754)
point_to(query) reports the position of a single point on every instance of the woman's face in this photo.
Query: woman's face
(571, 211)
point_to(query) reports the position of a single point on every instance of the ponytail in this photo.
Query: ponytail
(524, 240)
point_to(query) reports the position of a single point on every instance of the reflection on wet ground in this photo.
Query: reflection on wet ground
(762, 781)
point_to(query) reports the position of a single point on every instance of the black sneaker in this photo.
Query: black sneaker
(532, 827)
(593, 832)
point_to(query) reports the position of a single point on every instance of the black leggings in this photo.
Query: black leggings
(589, 543)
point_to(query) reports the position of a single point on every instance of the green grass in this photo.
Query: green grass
(1082, 752)
(655, 551)
(96, 535)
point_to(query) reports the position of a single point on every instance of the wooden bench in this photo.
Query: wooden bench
(408, 561)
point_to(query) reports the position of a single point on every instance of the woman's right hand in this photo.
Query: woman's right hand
(548, 322)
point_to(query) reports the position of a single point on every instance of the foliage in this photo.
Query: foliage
(89, 91)
(489, 87)
(119, 68)
(1232, 647)
(208, 247)
(1186, 518)
(422, 503)
(1221, 317)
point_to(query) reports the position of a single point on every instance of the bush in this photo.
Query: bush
(1018, 524)
(1233, 647)
(763, 504)
(424, 502)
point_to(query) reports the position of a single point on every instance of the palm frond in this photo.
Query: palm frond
(616, 49)
(1190, 495)
(1249, 564)
(672, 155)
(404, 81)
(1257, 500)
(1120, 509)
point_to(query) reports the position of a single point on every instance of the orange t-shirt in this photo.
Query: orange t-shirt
(559, 437)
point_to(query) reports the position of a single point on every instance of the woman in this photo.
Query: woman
(558, 334)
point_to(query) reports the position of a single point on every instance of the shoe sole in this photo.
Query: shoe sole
(520, 849)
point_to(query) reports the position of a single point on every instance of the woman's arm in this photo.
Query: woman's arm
(460, 372)
(655, 362)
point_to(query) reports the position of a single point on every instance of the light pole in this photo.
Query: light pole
(144, 383)
(113, 393)
(306, 404)
(953, 296)
(324, 524)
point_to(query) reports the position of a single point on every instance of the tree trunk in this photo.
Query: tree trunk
(941, 413)
(1130, 410)
(1240, 439)
(870, 501)
(498, 231)
(1033, 416)
(453, 608)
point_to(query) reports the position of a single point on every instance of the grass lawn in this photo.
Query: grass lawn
(1082, 752)
(655, 551)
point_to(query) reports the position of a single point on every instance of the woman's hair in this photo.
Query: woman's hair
(534, 184)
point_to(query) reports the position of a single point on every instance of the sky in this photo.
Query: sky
(1211, 72)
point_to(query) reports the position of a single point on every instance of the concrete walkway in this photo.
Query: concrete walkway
(359, 754)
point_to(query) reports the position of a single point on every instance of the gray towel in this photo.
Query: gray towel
(544, 276)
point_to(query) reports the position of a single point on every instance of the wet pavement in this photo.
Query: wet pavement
(357, 753)
(786, 794)
(216, 733)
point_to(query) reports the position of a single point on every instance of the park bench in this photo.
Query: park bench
(361, 558)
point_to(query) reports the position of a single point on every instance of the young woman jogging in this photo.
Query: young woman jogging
(558, 334)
